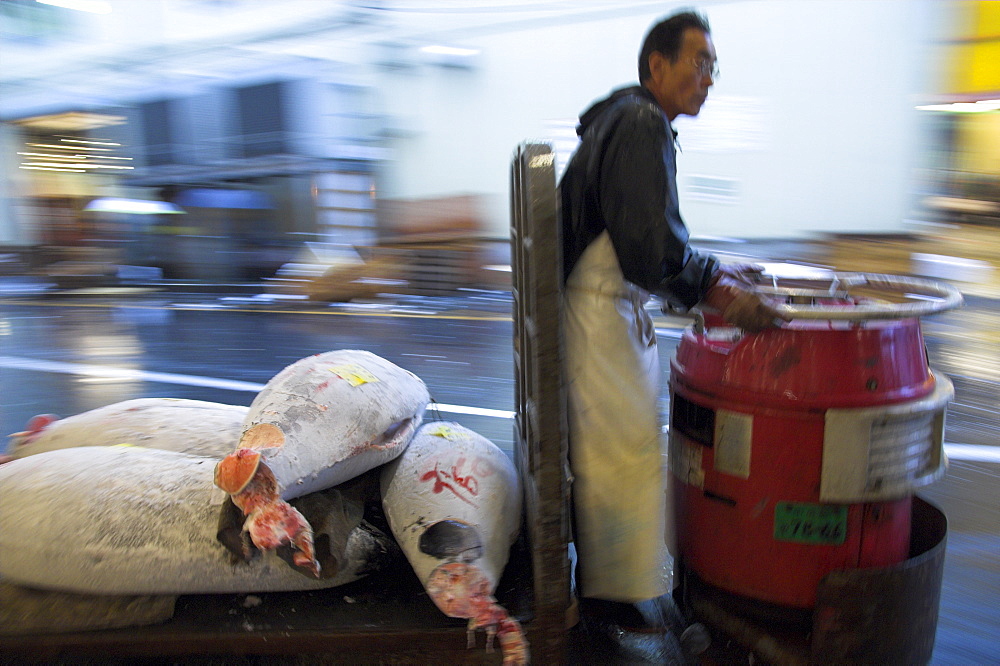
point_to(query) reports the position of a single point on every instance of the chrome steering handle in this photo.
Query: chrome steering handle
(861, 296)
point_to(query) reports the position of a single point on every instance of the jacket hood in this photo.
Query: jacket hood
(591, 114)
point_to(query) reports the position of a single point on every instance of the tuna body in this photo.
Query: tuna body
(453, 496)
(331, 417)
(127, 520)
(172, 424)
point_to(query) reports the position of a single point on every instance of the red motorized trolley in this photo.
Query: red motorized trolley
(796, 452)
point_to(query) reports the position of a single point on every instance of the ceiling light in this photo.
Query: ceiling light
(35, 168)
(57, 147)
(132, 206)
(90, 6)
(54, 157)
(964, 107)
(438, 49)
(96, 143)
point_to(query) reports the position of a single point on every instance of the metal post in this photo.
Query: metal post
(541, 440)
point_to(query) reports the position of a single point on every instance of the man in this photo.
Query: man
(623, 237)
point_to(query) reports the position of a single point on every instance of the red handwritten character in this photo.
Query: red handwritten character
(442, 480)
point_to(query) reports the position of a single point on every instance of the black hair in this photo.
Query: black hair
(665, 37)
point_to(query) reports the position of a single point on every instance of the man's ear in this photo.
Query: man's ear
(657, 63)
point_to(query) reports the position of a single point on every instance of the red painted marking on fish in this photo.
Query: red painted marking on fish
(453, 480)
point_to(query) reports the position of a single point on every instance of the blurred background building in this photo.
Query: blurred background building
(240, 140)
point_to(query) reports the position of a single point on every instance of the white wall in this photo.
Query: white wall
(467, 123)
(836, 85)
(811, 125)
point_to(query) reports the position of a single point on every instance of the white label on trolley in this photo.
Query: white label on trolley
(733, 433)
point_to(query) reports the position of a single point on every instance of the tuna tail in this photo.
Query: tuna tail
(36, 424)
(234, 472)
(461, 590)
(271, 522)
(278, 523)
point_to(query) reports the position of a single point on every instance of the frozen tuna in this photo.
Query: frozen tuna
(319, 422)
(453, 502)
(128, 520)
(172, 424)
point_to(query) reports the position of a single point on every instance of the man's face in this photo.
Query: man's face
(681, 87)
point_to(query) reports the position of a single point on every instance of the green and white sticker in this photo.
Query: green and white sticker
(810, 523)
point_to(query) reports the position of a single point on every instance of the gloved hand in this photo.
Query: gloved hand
(733, 295)
(745, 273)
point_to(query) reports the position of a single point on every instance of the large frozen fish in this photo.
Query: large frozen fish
(128, 520)
(319, 422)
(453, 502)
(172, 424)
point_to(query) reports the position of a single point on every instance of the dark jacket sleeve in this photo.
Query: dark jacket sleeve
(638, 199)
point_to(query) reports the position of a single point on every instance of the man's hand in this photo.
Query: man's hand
(743, 273)
(734, 296)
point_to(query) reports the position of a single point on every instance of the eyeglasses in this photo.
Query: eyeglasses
(706, 67)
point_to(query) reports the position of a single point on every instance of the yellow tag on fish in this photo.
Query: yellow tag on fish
(354, 374)
(444, 431)
(126, 445)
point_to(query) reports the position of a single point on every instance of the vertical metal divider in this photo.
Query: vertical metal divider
(541, 429)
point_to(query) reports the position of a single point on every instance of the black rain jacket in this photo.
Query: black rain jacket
(623, 178)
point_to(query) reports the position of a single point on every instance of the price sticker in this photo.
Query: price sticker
(800, 522)
(354, 374)
(443, 431)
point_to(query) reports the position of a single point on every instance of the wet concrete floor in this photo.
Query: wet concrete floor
(71, 352)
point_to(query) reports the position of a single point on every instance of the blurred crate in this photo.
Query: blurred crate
(426, 247)
(434, 268)
(419, 268)
(435, 241)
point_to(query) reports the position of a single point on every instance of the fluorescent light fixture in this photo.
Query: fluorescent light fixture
(133, 206)
(458, 51)
(61, 165)
(52, 169)
(55, 157)
(77, 165)
(964, 107)
(96, 143)
(52, 146)
(90, 6)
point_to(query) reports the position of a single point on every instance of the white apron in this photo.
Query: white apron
(616, 455)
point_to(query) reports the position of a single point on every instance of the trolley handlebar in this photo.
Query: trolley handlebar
(858, 296)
